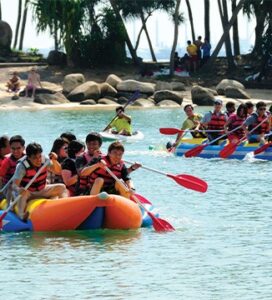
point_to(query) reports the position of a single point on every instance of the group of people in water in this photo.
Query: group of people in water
(72, 168)
(234, 125)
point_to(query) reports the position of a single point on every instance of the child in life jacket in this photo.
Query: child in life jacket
(26, 169)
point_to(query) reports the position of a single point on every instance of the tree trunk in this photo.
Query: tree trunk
(236, 45)
(0, 11)
(18, 23)
(23, 25)
(127, 39)
(224, 20)
(175, 38)
(223, 37)
(148, 38)
(140, 32)
(207, 19)
(191, 20)
(259, 29)
(56, 41)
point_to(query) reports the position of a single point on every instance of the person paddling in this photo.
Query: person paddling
(26, 169)
(262, 118)
(4, 147)
(121, 124)
(215, 120)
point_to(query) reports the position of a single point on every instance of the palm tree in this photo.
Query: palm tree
(23, 25)
(18, 23)
(191, 20)
(236, 45)
(0, 11)
(207, 19)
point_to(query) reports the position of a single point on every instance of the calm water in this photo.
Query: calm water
(221, 248)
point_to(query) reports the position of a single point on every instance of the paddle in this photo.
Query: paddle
(131, 100)
(158, 223)
(3, 215)
(172, 131)
(197, 150)
(262, 148)
(188, 181)
(142, 199)
(6, 185)
(231, 147)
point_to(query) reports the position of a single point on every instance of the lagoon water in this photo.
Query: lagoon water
(221, 248)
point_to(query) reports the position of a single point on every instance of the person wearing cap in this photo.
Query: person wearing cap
(34, 81)
(121, 124)
(13, 85)
(259, 119)
(215, 120)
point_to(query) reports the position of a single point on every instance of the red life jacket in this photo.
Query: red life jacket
(217, 122)
(39, 183)
(84, 180)
(236, 122)
(108, 180)
(262, 128)
(12, 161)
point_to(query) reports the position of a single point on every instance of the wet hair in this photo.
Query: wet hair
(33, 149)
(188, 105)
(189, 42)
(230, 105)
(116, 146)
(260, 104)
(68, 136)
(74, 147)
(241, 108)
(94, 136)
(119, 108)
(249, 104)
(17, 139)
(58, 143)
(4, 141)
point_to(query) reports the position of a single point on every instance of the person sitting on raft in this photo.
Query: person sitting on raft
(26, 169)
(100, 179)
(215, 120)
(192, 122)
(7, 169)
(4, 147)
(262, 118)
(121, 124)
(68, 137)
(230, 108)
(235, 121)
(69, 171)
(250, 108)
(13, 85)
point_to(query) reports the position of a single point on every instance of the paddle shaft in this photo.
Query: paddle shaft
(147, 168)
(6, 185)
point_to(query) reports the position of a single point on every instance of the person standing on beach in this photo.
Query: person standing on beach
(34, 81)
(206, 48)
(199, 43)
(192, 52)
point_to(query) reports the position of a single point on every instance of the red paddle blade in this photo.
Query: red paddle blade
(195, 151)
(141, 198)
(228, 150)
(2, 218)
(160, 224)
(190, 182)
(170, 131)
(262, 148)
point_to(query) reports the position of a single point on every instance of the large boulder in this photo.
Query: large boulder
(72, 81)
(168, 95)
(202, 96)
(223, 84)
(133, 85)
(57, 58)
(5, 38)
(88, 102)
(233, 92)
(89, 89)
(107, 90)
(107, 101)
(178, 86)
(113, 80)
(57, 98)
(162, 85)
(144, 103)
(37, 92)
(168, 103)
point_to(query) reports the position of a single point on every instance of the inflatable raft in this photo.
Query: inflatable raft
(111, 137)
(78, 213)
(212, 151)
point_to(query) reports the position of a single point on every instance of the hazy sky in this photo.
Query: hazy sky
(159, 25)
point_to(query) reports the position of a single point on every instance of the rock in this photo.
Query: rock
(168, 95)
(162, 85)
(232, 92)
(122, 100)
(5, 38)
(107, 101)
(202, 96)
(38, 92)
(72, 81)
(133, 85)
(57, 58)
(88, 102)
(168, 103)
(15, 97)
(178, 86)
(113, 80)
(144, 103)
(51, 86)
(89, 89)
(57, 98)
(107, 89)
(220, 88)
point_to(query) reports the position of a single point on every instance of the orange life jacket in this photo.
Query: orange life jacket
(39, 183)
(217, 122)
(84, 180)
(236, 122)
(263, 128)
